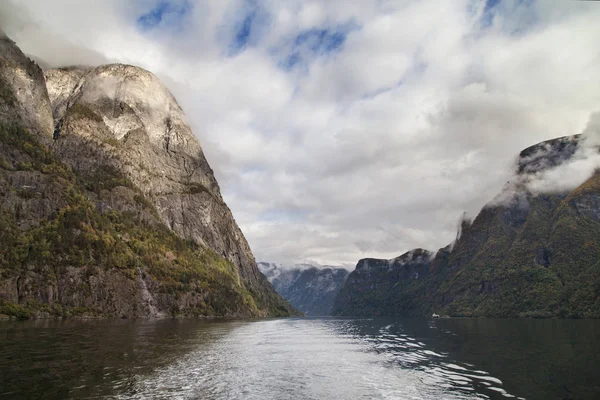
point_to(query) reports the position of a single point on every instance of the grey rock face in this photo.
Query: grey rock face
(548, 154)
(24, 101)
(22, 84)
(93, 223)
(310, 289)
(143, 133)
(61, 83)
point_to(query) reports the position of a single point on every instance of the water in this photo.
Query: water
(301, 359)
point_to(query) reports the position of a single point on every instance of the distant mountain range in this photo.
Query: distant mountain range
(534, 251)
(310, 289)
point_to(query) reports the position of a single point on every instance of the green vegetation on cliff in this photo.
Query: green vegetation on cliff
(538, 262)
(40, 259)
(94, 224)
(537, 257)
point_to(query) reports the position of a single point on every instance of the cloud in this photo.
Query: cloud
(164, 14)
(557, 167)
(579, 168)
(45, 44)
(346, 129)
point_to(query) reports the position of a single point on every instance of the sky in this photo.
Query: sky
(345, 129)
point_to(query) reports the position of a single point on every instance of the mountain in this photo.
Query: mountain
(108, 206)
(370, 289)
(281, 278)
(310, 289)
(534, 251)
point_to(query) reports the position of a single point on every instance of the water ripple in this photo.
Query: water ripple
(313, 359)
(300, 359)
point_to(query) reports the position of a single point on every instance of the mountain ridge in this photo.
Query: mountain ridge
(310, 289)
(528, 253)
(109, 208)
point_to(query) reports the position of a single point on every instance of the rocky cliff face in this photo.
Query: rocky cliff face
(547, 155)
(148, 140)
(527, 253)
(120, 214)
(372, 287)
(23, 91)
(310, 289)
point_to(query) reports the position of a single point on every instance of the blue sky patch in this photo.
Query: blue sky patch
(490, 4)
(488, 13)
(520, 15)
(320, 40)
(169, 13)
(314, 43)
(249, 26)
(243, 32)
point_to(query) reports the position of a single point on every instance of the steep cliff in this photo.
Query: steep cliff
(23, 91)
(533, 251)
(384, 287)
(144, 135)
(108, 205)
(310, 289)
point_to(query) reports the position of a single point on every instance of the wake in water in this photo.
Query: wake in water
(315, 359)
(441, 378)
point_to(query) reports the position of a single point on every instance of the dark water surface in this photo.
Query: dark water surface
(301, 359)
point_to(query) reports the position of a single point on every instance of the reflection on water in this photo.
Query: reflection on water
(301, 359)
(81, 359)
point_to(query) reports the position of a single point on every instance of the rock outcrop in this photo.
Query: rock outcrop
(149, 141)
(108, 205)
(529, 253)
(376, 286)
(310, 289)
(23, 91)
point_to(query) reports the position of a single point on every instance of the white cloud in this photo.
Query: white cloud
(579, 168)
(368, 148)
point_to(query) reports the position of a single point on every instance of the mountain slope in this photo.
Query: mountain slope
(144, 135)
(384, 287)
(120, 215)
(527, 253)
(310, 289)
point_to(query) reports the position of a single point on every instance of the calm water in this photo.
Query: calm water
(301, 359)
